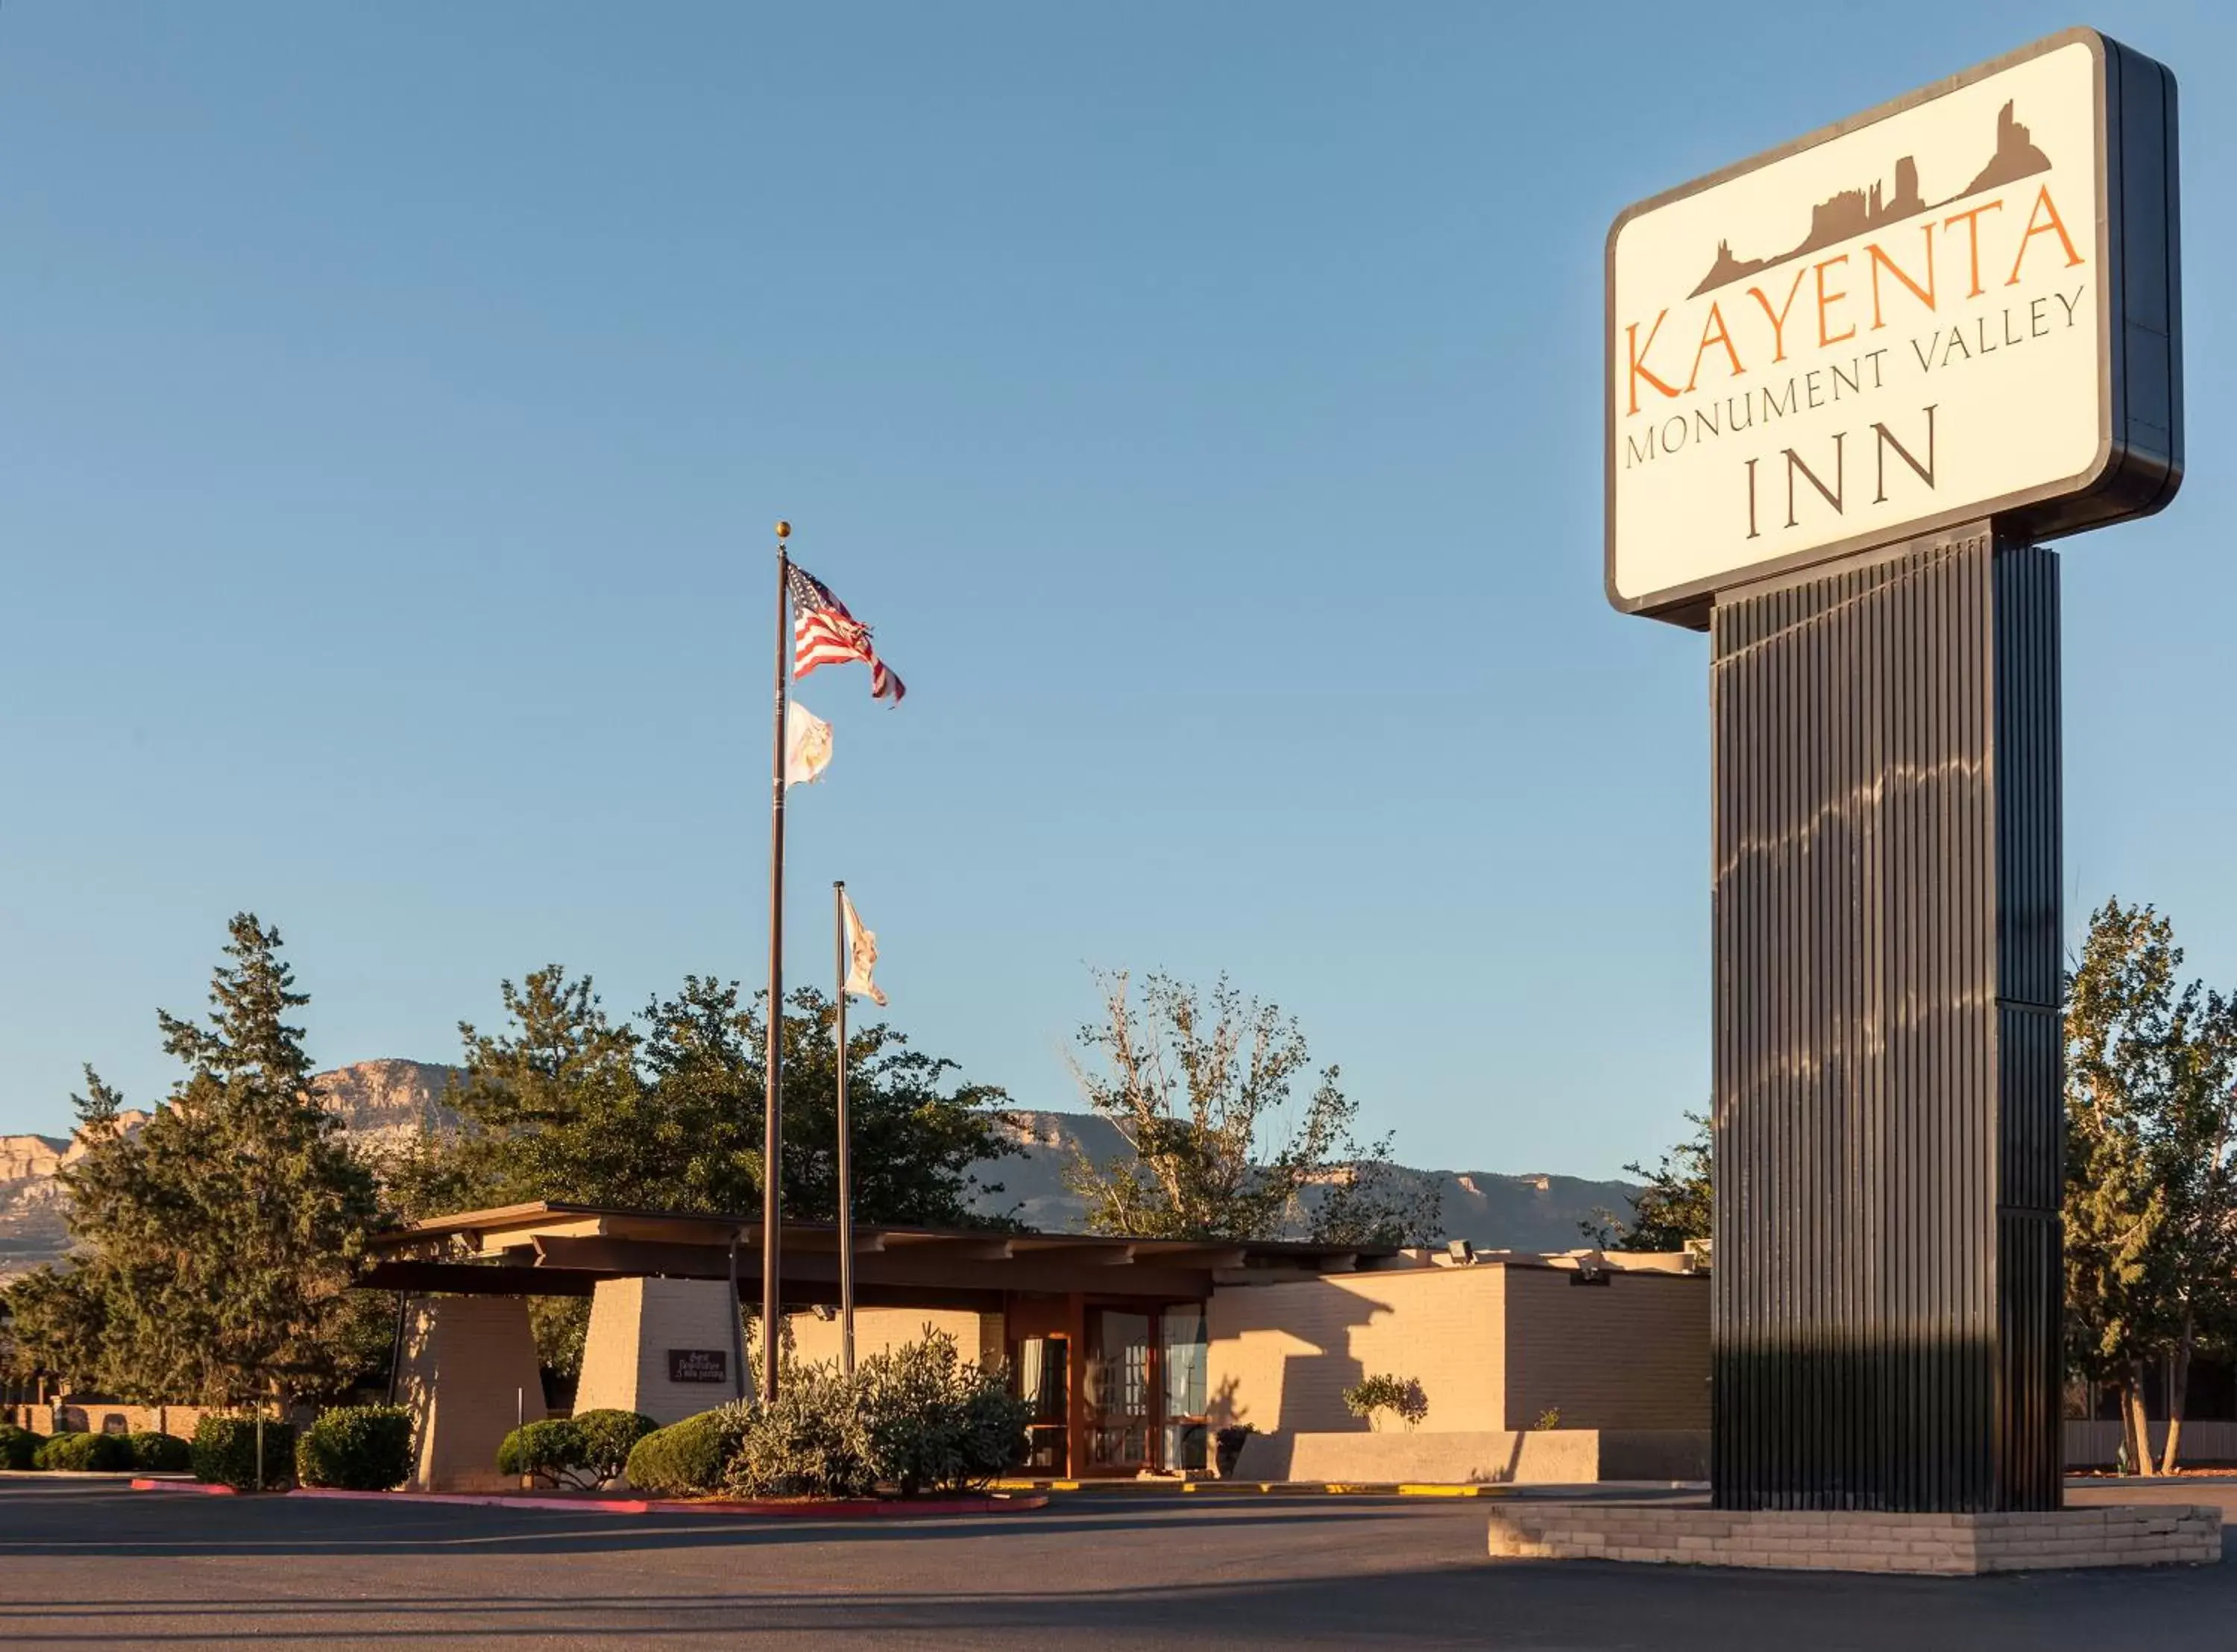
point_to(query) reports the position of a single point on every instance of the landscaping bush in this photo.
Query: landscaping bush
(551, 1451)
(917, 1418)
(159, 1453)
(609, 1437)
(689, 1457)
(224, 1453)
(1227, 1447)
(99, 1453)
(1371, 1396)
(813, 1442)
(580, 1451)
(17, 1446)
(357, 1448)
(937, 1423)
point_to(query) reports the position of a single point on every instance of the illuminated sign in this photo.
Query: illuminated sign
(1963, 305)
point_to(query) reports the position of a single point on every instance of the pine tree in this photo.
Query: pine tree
(216, 1246)
(565, 1103)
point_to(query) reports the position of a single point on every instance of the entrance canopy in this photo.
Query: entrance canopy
(558, 1249)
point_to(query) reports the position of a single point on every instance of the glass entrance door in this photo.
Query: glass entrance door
(1045, 1383)
(1119, 1393)
(1183, 1357)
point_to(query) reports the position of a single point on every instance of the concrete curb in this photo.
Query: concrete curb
(1347, 1488)
(68, 1474)
(1358, 1488)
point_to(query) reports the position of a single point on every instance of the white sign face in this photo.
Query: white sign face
(1890, 330)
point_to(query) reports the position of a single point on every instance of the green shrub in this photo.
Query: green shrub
(357, 1448)
(1227, 1447)
(579, 1452)
(917, 1418)
(937, 1423)
(551, 1451)
(813, 1442)
(1371, 1396)
(17, 1446)
(689, 1457)
(159, 1453)
(224, 1452)
(99, 1453)
(609, 1437)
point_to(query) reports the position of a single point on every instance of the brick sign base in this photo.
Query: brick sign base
(1942, 1544)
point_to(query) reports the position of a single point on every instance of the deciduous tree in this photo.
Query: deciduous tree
(1202, 1089)
(2150, 1192)
(1677, 1203)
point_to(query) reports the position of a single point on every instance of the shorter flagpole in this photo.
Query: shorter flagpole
(737, 1329)
(845, 1147)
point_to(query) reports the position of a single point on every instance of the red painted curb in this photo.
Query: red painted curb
(853, 1509)
(193, 1488)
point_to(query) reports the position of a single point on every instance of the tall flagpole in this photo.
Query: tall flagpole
(846, 1149)
(773, 1125)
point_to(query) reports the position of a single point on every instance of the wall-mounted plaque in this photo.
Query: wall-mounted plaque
(698, 1364)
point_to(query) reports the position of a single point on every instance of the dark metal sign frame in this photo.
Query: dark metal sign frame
(1887, 1119)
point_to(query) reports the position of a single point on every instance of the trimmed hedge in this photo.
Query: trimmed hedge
(357, 1448)
(159, 1453)
(580, 1451)
(17, 1446)
(96, 1453)
(224, 1453)
(548, 1451)
(609, 1437)
(688, 1458)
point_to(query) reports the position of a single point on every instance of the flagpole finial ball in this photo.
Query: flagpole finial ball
(784, 531)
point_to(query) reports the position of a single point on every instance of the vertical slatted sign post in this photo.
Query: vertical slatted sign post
(1852, 385)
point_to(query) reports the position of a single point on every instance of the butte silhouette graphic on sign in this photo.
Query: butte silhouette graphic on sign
(1853, 212)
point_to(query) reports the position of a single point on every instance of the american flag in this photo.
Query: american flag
(824, 633)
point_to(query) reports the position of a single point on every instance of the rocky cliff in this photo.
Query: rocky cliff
(382, 1102)
(385, 1103)
(1493, 1210)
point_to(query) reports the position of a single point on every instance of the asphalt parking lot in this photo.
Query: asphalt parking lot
(87, 1564)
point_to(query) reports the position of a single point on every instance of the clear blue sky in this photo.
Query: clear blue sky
(1203, 401)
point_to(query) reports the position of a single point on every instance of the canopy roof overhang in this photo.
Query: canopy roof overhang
(550, 1248)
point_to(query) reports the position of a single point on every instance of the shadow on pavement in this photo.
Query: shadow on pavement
(1512, 1605)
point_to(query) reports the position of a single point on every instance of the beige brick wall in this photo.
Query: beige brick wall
(1633, 1353)
(634, 1322)
(978, 1336)
(469, 1371)
(1821, 1540)
(103, 1417)
(1282, 1355)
